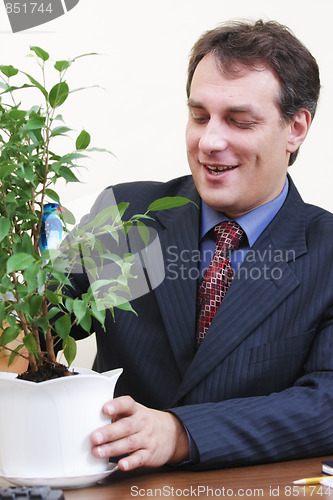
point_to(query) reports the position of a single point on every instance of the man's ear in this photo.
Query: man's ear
(299, 127)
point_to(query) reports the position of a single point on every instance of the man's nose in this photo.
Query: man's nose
(214, 138)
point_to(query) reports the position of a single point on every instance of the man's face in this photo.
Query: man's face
(237, 144)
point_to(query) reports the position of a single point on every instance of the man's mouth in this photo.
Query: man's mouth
(219, 169)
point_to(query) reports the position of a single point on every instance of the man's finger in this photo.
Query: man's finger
(124, 405)
(136, 459)
(122, 428)
(120, 447)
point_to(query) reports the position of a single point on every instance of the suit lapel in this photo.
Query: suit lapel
(264, 280)
(177, 294)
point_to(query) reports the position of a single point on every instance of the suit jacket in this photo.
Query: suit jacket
(260, 386)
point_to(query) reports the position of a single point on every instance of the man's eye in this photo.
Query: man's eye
(243, 124)
(199, 118)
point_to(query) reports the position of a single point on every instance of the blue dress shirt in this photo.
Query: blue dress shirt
(253, 223)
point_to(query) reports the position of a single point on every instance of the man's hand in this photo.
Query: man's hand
(151, 438)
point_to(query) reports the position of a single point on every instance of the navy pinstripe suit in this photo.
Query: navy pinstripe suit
(260, 387)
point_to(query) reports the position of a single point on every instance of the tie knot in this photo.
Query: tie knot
(228, 235)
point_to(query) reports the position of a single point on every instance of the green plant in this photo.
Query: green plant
(32, 282)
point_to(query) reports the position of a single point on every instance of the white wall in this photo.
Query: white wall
(141, 113)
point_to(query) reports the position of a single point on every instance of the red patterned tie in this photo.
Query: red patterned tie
(218, 276)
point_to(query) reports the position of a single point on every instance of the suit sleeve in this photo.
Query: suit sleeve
(291, 424)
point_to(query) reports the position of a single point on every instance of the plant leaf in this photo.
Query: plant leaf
(42, 323)
(4, 227)
(30, 343)
(68, 216)
(2, 311)
(8, 70)
(126, 306)
(68, 174)
(85, 55)
(34, 123)
(53, 195)
(69, 348)
(8, 335)
(85, 322)
(6, 170)
(103, 216)
(37, 84)
(58, 94)
(99, 314)
(53, 312)
(63, 326)
(144, 232)
(168, 202)
(83, 140)
(19, 261)
(98, 284)
(62, 65)
(61, 130)
(79, 309)
(13, 355)
(40, 53)
(34, 305)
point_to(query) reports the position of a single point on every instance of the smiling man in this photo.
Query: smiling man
(238, 146)
(231, 364)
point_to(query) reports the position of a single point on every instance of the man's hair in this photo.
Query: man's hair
(270, 44)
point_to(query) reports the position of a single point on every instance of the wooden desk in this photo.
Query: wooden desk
(261, 481)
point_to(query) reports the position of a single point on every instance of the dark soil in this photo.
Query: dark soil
(47, 371)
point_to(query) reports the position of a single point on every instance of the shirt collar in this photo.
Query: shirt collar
(253, 222)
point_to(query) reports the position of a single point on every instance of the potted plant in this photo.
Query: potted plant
(51, 421)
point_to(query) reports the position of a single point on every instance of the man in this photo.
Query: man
(257, 384)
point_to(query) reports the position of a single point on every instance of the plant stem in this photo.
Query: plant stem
(48, 337)
(33, 363)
